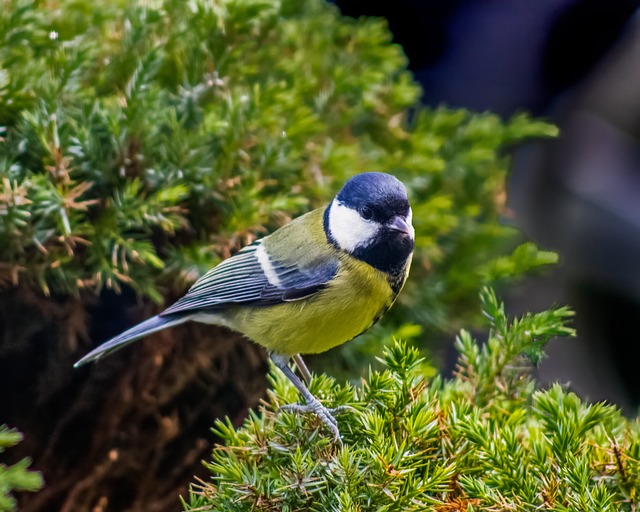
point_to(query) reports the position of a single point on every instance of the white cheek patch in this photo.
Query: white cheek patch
(348, 229)
(412, 233)
(267, 267)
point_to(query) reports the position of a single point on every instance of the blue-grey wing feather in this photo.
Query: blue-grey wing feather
(241, 280)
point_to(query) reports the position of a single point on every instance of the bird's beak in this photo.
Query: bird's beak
(401, 224)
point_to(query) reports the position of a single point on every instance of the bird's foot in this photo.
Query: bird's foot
(325, 414)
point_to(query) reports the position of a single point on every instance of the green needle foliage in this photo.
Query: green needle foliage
(485, 439)
(142, 142)
(17, 477)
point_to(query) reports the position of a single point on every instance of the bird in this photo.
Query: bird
(313, 284)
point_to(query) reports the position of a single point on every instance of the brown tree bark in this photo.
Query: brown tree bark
(128, 433)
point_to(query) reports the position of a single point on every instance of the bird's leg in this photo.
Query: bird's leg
(312, 403)
(304, 371)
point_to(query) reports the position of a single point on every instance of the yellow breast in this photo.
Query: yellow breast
(349, 305)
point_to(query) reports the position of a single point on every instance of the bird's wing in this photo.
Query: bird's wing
(251, 276)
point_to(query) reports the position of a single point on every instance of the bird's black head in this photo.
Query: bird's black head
(371, 219)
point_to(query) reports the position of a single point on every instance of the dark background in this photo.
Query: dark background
(576, 63)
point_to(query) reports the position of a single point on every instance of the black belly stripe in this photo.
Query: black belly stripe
(378, 316)
(396, 280)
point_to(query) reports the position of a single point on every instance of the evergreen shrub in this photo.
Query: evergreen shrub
(485, 439)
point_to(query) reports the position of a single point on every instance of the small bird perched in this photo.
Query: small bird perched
(315, 283)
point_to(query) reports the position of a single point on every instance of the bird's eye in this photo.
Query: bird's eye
(366, 212)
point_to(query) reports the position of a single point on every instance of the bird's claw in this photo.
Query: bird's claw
(325, 414)
(342, 409)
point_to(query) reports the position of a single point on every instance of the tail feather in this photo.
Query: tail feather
(153, 324)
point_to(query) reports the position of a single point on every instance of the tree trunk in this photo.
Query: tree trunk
(128, 433)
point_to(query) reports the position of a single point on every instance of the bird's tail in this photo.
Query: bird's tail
(154, 324)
